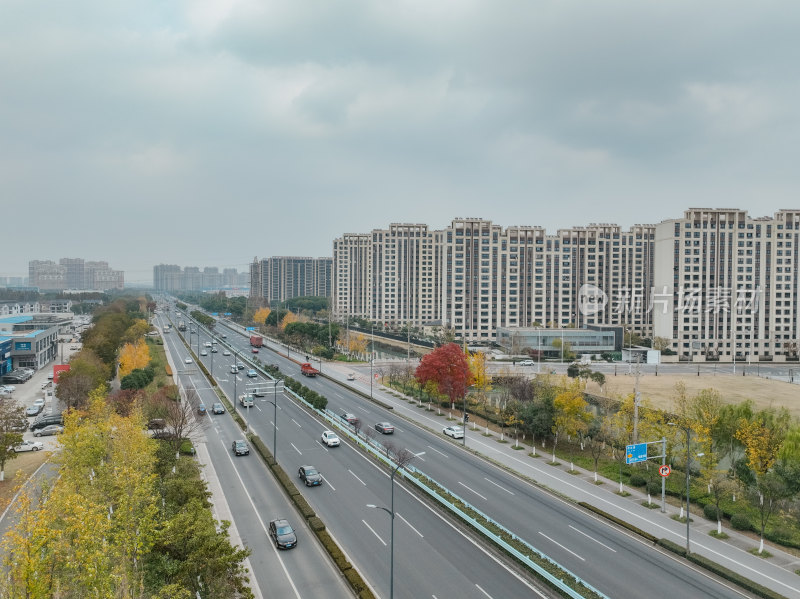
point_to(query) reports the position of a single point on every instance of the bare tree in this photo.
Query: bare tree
(179, 416)
(12, 419)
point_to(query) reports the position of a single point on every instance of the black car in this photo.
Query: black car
(43, 420)
(283, 534)
(310, 476)
(240, 447)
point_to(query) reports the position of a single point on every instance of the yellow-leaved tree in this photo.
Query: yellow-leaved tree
(261, 315)
(571, 413)
(289, 317)
(133, 356)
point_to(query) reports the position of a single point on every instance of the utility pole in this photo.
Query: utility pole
(636, 400)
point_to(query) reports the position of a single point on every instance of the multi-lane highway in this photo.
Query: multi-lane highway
(254, 498)
(618, 564)
(432, 557)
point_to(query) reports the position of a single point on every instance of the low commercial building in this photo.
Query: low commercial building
(519, 340)
(33, 338)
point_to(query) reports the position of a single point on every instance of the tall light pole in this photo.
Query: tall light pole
(630, 348)
(371, 353)
(688, 431)
(275, 384)
(403, 460)
(539, 351)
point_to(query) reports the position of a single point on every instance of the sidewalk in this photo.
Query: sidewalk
(776, 572)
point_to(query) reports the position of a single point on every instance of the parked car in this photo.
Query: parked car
(218, 408)
(283, 534)
(454, 431)
(50, 429)
(330, 439)
(39, 401)
(33, 410)
(350, 418)
(385, 428)
(27, 446)
(240, 447)
(310, 476)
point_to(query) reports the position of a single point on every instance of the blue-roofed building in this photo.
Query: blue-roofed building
(5, 355)
(32, 339)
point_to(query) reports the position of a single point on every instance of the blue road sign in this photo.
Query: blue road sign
(215, 314)
(228, 313)
(250, 328)
(636, 453)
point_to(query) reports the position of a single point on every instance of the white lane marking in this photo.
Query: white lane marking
(409, 525)
(560, 545)
(327, 482)
(295, 448)
(482, 591)
(358, 479)
(416, 454)
(437, 451)
(592, 538)
(258, 515)
(255, 405)
(498, 486)
(375, 533)
(473, 490)
(297, 423)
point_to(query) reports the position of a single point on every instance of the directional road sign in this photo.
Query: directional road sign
(250, 328)
(636, 453)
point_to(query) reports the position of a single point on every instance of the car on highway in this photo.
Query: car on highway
(201, 409)
(27, 445)
(330, 438)
(187, 361)
(203, 352)
(33, 410)
(207, 344)
(240, 366)
(351, 419)
(214, 349)
(282, 533)
(259, 392)
(224, 336)
(225, 352)
(454, 431)
(239, 447)
(310, 476)
(252, 373)
(351, 376)
(234, 370)
(385, 428)
(218, 408)
(50, 429)
(526, 363)
(254, 350)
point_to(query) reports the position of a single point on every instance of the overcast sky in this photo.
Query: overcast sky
(207, 132)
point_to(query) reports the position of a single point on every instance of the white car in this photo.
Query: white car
(526, 363)
(351, 376)
(330, 439)
(454, 431)
(207, 344)
(28, 446)
(188, 361)
(39, 401)
(226, 353)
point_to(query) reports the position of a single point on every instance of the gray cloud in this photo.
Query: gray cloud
(209, 132)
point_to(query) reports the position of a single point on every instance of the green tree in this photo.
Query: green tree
(11, 416)
(571, 413)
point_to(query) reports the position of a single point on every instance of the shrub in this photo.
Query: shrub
(637, 480)
(740, 522)
(654, 487)
(710, 511)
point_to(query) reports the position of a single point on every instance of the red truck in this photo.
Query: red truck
(308, 370)
(256, 340)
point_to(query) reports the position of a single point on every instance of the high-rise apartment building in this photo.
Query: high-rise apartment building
(280, 278)
(726, 284)
(474, 277)
(74, 273)
(172, 278)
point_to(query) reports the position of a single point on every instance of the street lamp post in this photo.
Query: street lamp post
(539, 351)
(630, 348)
(688, 431)
(391, 515)
(371, 354)
(275, 384)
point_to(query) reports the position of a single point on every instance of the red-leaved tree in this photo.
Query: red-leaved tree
(447, 367)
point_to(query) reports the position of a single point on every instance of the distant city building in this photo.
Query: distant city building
(280, 278)
(708, 282)
(173, 278)
(74, 273)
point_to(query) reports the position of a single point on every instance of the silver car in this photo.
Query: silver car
(50, 429)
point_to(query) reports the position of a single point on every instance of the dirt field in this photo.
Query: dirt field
(26, 463)
(659, 390)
